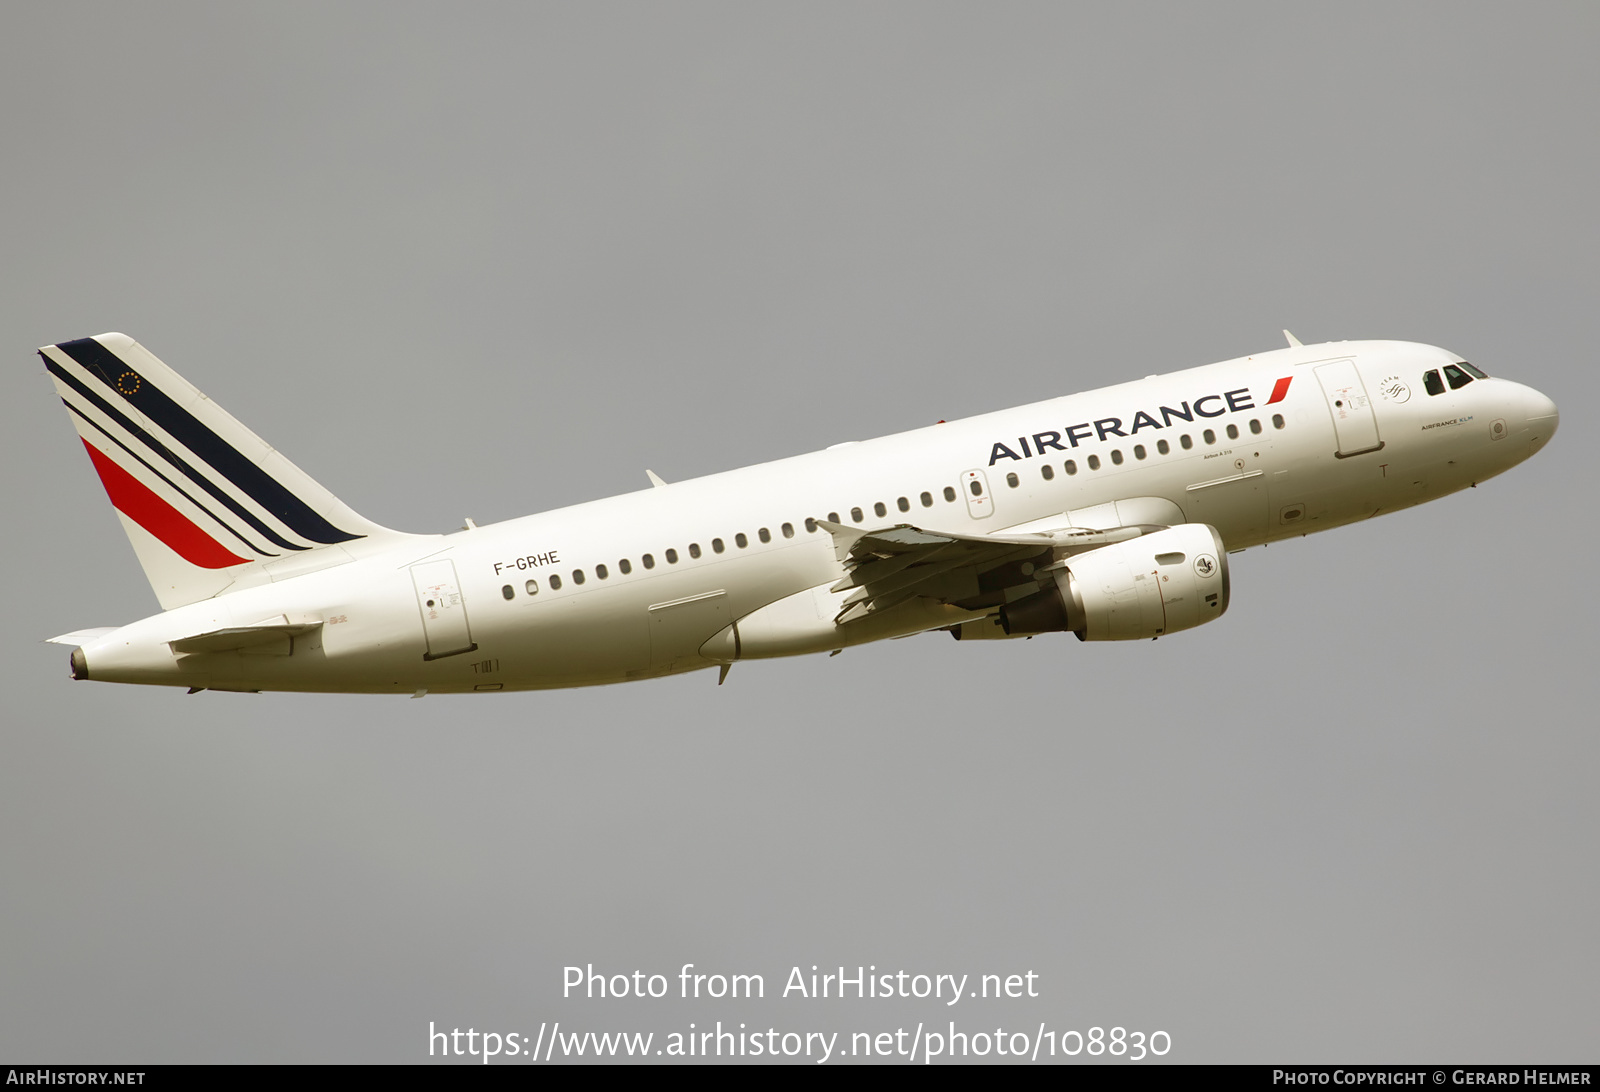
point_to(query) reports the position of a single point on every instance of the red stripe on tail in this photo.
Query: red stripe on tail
(135, 500)
(1281, 390)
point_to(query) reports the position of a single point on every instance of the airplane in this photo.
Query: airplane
(1110, 515)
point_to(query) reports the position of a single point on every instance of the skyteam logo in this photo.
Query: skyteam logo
(1210, 405)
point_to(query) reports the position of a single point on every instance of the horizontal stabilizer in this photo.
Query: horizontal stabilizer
(81, 637)
(272, 638)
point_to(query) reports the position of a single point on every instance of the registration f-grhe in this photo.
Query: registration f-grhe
(1109, 515)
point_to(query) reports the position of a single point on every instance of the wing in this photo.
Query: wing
(889, 565)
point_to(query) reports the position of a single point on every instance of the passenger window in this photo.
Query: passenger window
(1071, 468)
(1047, 472)
(1277, 420)
(1476, 373)
(857, 515)
(1163, 447)
(1208, 436)
(976, 486)
(1138, 451)
(880, 509)
(532, 587)
(1255, 427)
(1094, 462)
(555, 582)
(811, 525)
(1233, 432)
(672, 556)
(788, 530)
(949, 493)
(625, 566)
(740, 541)
(764, 535)
(508, 592)
(1432, 383)
(1185, 441)
(1011, 480)
(694, 549)
(903, 504)
(1457, 377)
(649, 561)
(601, 572)
(577, 576)
(1116, 456)
(927, 500)
(716, 545)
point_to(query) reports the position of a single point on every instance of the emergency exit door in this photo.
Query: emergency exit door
(975, 487)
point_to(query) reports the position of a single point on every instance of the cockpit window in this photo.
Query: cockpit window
(1433, 383)
(1457, 377)
(1476, 373)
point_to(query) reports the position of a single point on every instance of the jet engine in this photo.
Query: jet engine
(1149, 586)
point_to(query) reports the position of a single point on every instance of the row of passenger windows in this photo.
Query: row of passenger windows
(1458, 376)
(718, 546)
(648, 561)
(880, 509)
(1209, 436)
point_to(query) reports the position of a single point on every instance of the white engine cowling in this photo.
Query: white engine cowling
(1150, 586)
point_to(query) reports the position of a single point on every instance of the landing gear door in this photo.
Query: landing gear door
(975, 487)
(1354, 424)
(444, 611)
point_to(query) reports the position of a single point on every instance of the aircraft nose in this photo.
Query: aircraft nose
(1542, 416)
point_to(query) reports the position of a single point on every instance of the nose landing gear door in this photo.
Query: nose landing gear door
(444, 612)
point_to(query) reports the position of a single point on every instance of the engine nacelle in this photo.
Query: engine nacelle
(1147, 587)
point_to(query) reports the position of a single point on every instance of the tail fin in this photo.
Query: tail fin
(207, 504)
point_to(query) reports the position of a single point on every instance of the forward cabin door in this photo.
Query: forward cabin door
(444, 612)
(1354, 424)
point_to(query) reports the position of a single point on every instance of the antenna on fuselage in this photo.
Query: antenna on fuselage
(1294, 342)
(655, 479)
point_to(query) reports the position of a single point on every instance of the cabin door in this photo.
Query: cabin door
(1354, 424)
(444, 611)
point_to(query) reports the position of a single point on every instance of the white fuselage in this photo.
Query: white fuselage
(493, 617)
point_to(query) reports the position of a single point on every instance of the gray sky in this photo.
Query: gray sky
(485, 260)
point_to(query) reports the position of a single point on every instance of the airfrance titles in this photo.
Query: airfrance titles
(1211, 405)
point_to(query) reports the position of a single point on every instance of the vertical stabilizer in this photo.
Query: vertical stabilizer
(206, 502)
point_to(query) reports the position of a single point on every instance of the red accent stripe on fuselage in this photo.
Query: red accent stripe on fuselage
(135, 500)
(1281, 390)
